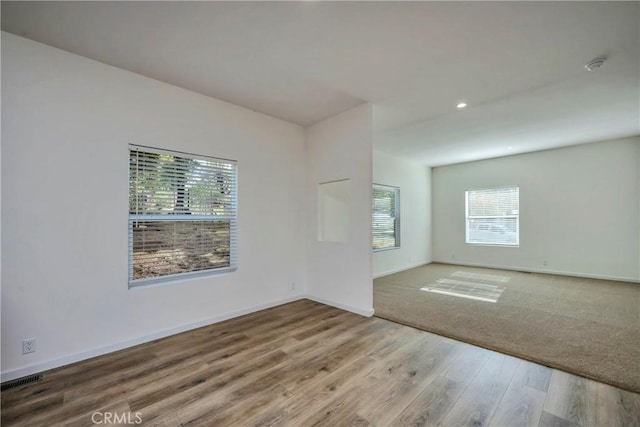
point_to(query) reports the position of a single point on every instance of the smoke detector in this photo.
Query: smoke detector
(594, 64)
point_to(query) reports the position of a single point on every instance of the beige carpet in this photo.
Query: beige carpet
(584, 326)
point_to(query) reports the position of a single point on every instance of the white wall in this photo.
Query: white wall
(339, 273)
(66, 123)
(579, 210)
(334, 211)
(414, 180)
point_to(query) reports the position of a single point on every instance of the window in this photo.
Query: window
(492, 216)
(386, 217)
(182, 215)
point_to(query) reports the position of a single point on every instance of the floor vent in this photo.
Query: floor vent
(21, 381)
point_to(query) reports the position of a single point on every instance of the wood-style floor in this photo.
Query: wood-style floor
(306, 364)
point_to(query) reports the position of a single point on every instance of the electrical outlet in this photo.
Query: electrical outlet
(293, 286)
(545, 263)
(29, 346)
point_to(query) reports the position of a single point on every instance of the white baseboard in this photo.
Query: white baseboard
(356, 310)
(66, 360)
(398, 270)
(543, 271)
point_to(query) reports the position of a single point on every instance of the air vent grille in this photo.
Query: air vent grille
(21, 381)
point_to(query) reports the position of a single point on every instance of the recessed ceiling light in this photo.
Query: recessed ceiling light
(461, 105)
(509, 148)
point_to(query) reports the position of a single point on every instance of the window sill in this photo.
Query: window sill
(498, 245)
(179, 278)
(386, 249)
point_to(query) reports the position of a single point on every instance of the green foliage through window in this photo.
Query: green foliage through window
(182, 214)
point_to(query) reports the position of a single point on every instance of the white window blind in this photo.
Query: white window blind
(492, 216)
(386, 217)
(182, 215)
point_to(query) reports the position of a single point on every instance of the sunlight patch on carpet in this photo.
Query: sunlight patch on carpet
(479, 276)
(470, 290)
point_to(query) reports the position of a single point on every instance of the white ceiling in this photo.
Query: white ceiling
(519, 65)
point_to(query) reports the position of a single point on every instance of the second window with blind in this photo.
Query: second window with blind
(385, 217)
(182, 215)
(493, 216)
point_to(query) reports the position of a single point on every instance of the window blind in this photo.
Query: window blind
(492, 216)
(386, 217)
(182, 215)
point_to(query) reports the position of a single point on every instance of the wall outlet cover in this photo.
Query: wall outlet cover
(29, 346)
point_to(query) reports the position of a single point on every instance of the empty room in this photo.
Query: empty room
(320, 213)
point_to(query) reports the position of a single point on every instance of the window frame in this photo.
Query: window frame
(469, 218)
(231, 217)
(396, 217)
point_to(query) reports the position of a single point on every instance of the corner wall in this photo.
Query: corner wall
(66, 125)
(339, 273)
(414, 181)
(579, 210)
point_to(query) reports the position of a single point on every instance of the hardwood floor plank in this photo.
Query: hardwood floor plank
(432, 405)
(317, 326)
(335, 336)
(141, 373)
(394, 380)
(616, 407)
(61, 379)
(21, 410)
(533, 375)
(521, 405)
(343, 406)
(482, 397)
(567, 398)
(397, 336)
(305, 368)
(309, 398)
(213, 380)
(264, 388)
(550, 420)
(468, 364)
(399, 383)
(305, 364)
(313, 313)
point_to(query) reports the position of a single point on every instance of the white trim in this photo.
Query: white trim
(542, 271)
(403, 268)
(150, 282)
(362, 312)
(66, 360)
